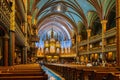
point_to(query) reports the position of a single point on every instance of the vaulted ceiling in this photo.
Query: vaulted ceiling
(63, 15)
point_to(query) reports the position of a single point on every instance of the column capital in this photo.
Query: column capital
(104, 21)
(78, 38)
(6, 36)
(89, 32)
(29, 18)
(35, 21)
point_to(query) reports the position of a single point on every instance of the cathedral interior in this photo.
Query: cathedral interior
(75, 39)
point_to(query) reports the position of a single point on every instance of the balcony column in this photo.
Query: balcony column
(76, 46)
(12, 35)
(26, 38)
(6, 38)
(118, 31)
(103, 22)
(88, 39)
(78, 38)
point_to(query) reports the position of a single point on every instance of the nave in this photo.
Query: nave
(75, 39)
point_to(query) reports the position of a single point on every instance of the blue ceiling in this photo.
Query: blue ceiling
(70, 12)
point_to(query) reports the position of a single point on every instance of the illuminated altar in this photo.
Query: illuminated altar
(52, 47)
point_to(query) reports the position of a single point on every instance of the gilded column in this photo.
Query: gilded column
(78, 38)
(88, 39)
(12, 34)
(76, 46)
(118, 31)
(5, 38)
(103, 22)
(26, 28)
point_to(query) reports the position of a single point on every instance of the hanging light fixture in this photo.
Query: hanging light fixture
(60, 7)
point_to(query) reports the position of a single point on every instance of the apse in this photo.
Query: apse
(62, 28)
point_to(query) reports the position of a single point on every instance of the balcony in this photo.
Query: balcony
(98, 37)
(108, 48)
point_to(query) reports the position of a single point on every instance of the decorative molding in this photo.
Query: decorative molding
(68, 55)
(5, 13)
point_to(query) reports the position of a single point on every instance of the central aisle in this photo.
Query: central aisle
(51, 74)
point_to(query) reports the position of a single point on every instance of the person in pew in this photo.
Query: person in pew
(89, 64)
(41, 62)
(103, 63)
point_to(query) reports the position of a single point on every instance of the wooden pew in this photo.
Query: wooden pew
(116, 75)
(24, 78)
(23, 72)
(76, 72)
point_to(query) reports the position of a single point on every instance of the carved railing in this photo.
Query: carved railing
(96, 50)
(19, 34)
(68, 55)
(111, 47)
(84, 42)
(110, 32)
(82, 52)
(95, 38)
(5, 13)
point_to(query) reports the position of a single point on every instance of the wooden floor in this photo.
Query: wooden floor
(23, 72)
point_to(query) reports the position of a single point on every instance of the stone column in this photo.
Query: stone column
(103, 22)
(88, 39)
(12, 35)
(5, 39)
(26, 28)
(25, 55)
(25, 47)
(22, 55)
(118, 31)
